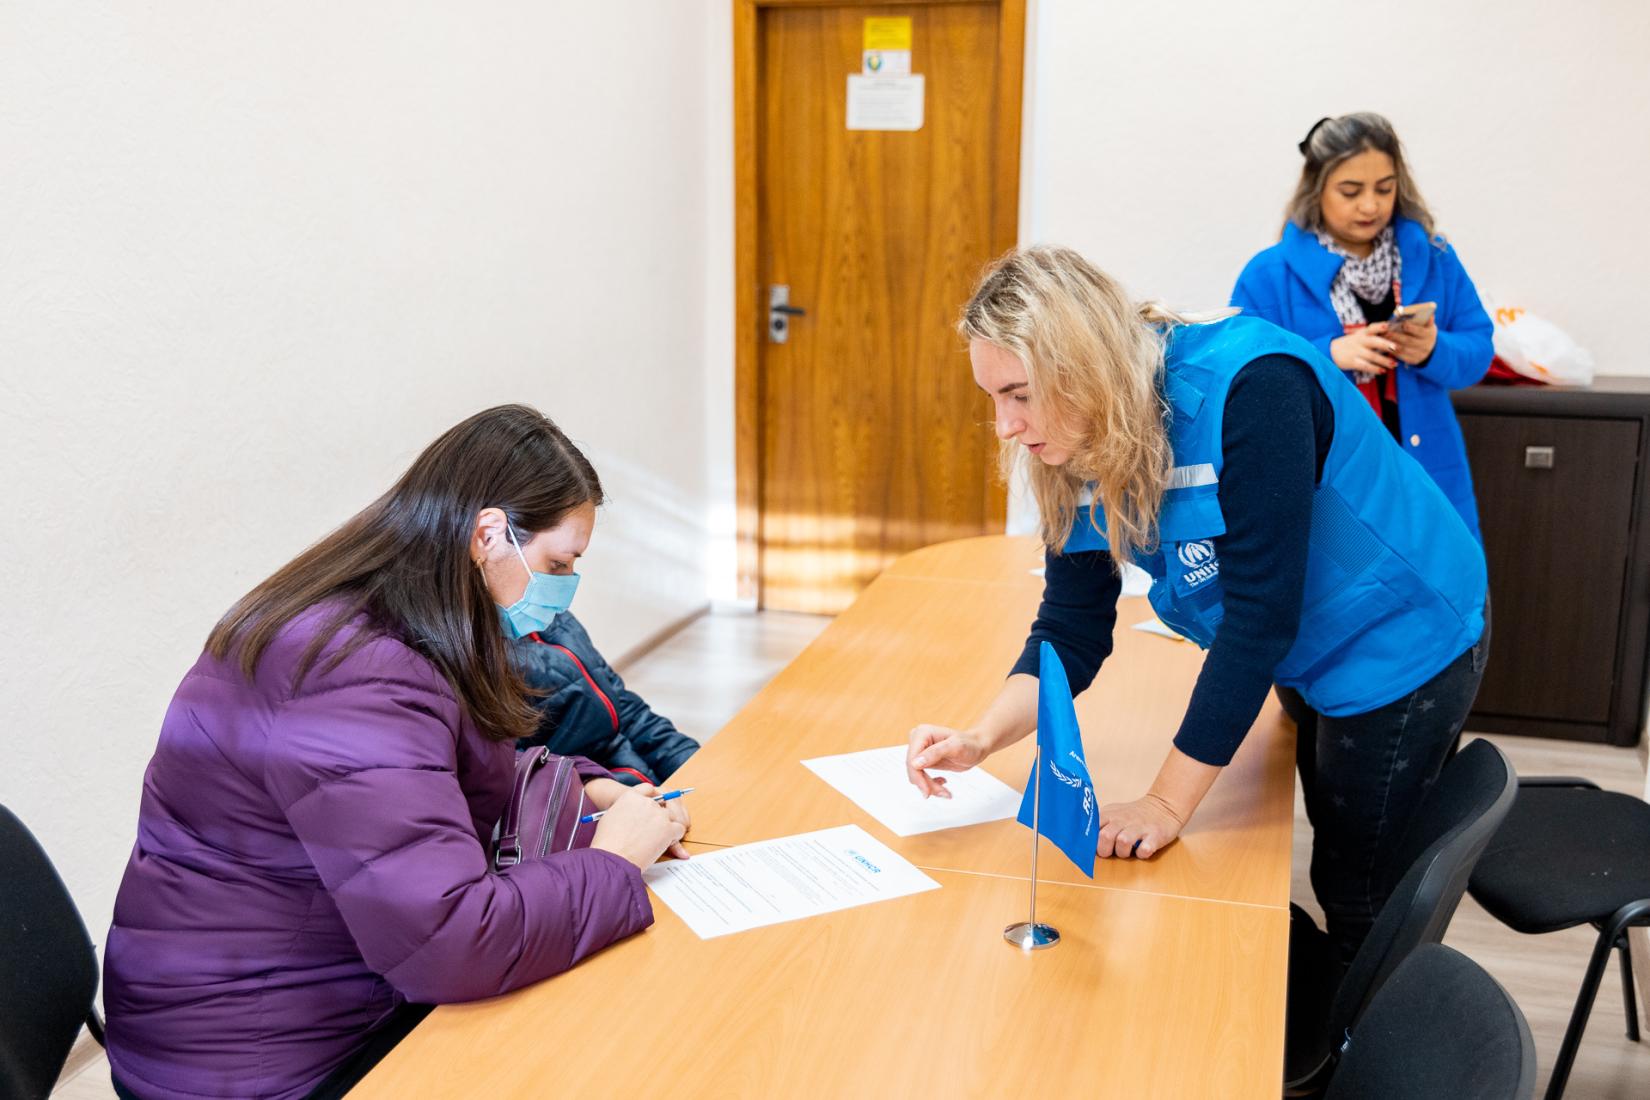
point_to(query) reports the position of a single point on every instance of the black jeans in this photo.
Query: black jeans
(1363, 776)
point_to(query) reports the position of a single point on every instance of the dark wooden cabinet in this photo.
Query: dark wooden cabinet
(1562, 496)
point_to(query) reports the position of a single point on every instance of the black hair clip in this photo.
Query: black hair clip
(1307, 140)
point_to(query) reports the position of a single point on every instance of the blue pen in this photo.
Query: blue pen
(666, 797)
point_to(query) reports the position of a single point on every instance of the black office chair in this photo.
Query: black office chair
(48, 967)
(1440, 1029)
(1435, 855)
(1572, 854)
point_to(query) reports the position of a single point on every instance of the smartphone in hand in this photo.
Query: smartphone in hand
(1419, 315)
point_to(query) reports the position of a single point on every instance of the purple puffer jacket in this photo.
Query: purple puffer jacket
(309, 858)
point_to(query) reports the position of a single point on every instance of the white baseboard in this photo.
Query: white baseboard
(658, 638)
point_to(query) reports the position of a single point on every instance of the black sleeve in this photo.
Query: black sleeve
(1277, 427)
(1078, 611)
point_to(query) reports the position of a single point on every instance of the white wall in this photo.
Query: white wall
(1159, 139)
(718, 304)
(1163, 139)
(253, 258)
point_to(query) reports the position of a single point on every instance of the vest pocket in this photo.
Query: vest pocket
(1322, 661)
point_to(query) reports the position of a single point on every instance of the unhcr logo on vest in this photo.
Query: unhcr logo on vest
(1199, 559)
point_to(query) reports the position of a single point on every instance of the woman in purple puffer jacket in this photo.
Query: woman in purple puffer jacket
(311, 863)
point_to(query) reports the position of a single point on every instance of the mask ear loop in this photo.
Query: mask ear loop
(510, 530)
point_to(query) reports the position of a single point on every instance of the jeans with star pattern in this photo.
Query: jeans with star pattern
(1363, 775)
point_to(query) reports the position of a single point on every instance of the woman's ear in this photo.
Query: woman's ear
(488, 534)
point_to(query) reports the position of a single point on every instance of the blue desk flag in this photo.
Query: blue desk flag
(1069, 812)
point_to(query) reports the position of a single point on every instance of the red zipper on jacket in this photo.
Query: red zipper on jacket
(612, 712)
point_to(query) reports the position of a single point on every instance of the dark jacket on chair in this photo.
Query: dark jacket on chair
(588, 711)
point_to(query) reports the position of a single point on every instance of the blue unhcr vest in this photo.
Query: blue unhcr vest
(1394, 580)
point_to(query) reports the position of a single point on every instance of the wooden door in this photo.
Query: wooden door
(870, 438)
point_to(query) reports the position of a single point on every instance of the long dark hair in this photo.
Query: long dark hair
(1335, 140)
(404, 561)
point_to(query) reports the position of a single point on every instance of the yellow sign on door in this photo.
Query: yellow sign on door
(888, 32)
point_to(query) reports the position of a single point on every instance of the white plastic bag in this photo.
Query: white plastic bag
(1536, 348)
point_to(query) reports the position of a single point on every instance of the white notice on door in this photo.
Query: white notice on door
(884, 102)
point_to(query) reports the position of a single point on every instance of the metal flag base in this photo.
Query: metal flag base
(1032, 937)
(1028, 935)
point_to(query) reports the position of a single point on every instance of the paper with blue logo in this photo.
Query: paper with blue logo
(787, 878)
(1068, 811)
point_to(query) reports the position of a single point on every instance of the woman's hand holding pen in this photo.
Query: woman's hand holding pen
(602, 793)
(636, 828)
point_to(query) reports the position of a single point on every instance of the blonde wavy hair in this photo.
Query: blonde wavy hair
(1094, 367)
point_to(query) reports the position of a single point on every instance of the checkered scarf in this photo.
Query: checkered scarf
(1371, 279)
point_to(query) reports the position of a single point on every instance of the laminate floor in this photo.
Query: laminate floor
(704, 673)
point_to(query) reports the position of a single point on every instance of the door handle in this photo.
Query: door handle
(780, 312)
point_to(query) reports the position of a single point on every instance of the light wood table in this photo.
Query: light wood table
(916, 648)
(917, 997)
(1000, 559)
(1169, 981)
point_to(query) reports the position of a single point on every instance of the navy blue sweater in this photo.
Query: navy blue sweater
(1276, 431)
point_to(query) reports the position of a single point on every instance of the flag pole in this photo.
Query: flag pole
(1036, 824)
(1029, 935)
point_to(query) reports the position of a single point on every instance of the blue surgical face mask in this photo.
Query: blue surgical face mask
(547, 595)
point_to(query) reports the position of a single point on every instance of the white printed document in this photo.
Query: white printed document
(875, 781)
(773, 881)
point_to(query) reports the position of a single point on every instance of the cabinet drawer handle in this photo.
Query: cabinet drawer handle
(1538, 458)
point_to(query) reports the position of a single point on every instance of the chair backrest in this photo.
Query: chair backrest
(1432, 861)
(1440, 1029)
(48, 968)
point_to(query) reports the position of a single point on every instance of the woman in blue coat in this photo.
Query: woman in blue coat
(1358, 244)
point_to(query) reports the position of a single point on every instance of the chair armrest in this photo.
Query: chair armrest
(1556, 781)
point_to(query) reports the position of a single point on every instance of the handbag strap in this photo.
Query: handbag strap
(509, 838)
(578, 816)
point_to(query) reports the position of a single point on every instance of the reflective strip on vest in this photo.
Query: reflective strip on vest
(1189, 477)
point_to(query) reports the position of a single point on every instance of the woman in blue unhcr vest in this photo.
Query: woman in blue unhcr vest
(1358, 246)
(1283, 528)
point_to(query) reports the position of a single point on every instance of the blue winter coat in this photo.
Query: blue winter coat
(1288, 284)
(587, 711)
